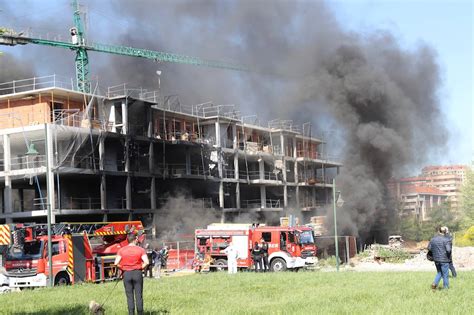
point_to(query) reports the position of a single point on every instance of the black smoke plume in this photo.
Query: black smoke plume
(380, 100)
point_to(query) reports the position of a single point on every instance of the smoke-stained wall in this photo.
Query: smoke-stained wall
(380, 100)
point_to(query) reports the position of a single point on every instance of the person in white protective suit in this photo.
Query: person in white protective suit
(232, 256)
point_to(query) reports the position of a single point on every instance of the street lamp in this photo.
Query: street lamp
(336, 203)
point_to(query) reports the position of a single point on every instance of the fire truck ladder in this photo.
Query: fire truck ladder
(92, 229)
(98, 228)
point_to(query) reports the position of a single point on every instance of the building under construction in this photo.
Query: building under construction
(121, 153)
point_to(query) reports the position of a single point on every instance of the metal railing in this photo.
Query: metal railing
(312, 204)
(26, 162)
(84, 162)
(312, 180)
(76, 118)
(284, 125)
(36, 83)
(175, 170)
(182, 136)
(85, 203)
(307, 154)
(229, 173)
(256, 175)
(192, 203)
(257, 203)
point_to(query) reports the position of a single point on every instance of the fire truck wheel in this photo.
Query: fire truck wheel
(278, 264)
(220, 264)
(62, 278)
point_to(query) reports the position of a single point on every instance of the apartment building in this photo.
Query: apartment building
(418, 201)
(123, 153)
(435, 185)
(447, 178)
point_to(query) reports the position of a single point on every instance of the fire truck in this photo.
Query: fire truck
(81, 252)
(288, 247)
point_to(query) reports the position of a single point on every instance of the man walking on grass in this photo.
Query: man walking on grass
(440, 247)
(451, 265)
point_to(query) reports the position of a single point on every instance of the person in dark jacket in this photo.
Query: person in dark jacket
(451, 265)
(264, 249)
(257, 257)
(440, 247)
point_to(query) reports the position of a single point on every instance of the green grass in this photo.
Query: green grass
(272, 293)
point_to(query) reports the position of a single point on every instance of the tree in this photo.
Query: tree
(467, 200)
(413, 229)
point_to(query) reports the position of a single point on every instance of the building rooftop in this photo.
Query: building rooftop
(423, 190)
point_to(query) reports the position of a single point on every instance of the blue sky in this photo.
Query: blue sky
(447, 26)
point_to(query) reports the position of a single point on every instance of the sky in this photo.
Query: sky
(445, 25)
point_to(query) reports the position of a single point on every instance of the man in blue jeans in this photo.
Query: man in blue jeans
(451, 265)
(440, 247)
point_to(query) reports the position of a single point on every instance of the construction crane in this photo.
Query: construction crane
(80, 45)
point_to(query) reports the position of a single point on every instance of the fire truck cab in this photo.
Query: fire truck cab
(288, 247)
(81, 252)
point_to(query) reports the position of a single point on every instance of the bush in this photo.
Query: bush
(328, 262)
(466, 238)
(392, 255)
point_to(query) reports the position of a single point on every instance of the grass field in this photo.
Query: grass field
(272, 293)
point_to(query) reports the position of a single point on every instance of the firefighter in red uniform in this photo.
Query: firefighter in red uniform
(132, 259)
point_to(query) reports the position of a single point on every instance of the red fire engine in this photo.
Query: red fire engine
(289, 247)
(81, 252)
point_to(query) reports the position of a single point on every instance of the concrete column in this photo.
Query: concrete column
(237, 195)
(220, 168)
(50, 174)
(153, 193)
(112, 118)
(297, 196)
(188, 162)
(236, 166)
(128, 193)
(263, 196)
(285, 196)
(221, 195)
(261, 168)
(7, 191)
(282, 144)
(218, 134)
(234, 132)
(151, 158)
(124, 117)
(295, 150)
(127, 155)
(106, 217)
(313, 196)
(296, 172)
(101, 153)
(283, 169)
(150, 124)
(103, 192)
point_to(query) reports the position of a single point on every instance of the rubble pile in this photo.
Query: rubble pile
(463, 257)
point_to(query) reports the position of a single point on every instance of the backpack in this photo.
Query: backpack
(429, 255)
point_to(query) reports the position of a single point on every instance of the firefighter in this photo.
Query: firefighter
(264, 249)
(232, 256)
(132, 260)
(257, 257)
(149, 253)
(157, 263)
(161, 261)
(164, 256)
